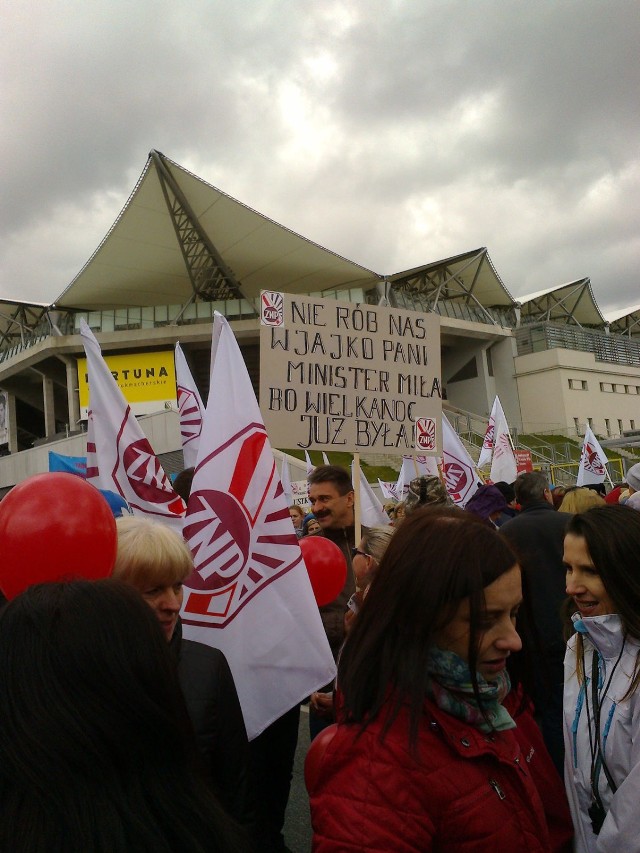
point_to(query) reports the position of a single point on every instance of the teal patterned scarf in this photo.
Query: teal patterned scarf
(451, 689)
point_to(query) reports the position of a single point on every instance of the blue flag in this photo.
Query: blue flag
(68, 464)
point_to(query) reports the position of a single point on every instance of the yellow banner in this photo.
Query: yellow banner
(143, 377)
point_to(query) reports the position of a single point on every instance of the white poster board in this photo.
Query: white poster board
(351, 377)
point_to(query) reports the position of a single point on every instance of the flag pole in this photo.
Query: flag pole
(357, 511)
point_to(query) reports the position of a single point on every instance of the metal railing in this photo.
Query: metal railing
(151, 317)
(566, 474)
(614, 349)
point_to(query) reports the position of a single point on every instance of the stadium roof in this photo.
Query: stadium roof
(179, 238)
(470, 275)
(18, 318)
(571, 303)
(625, 322)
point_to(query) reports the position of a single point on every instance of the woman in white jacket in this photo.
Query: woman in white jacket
(602, 677)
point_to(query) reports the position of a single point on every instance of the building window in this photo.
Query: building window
(590, 422)
(489, 362)
(578, 384)
(576, 424)
(606, 386)
(632, 423)
(469, 371)
(607, 426)
(620, 427)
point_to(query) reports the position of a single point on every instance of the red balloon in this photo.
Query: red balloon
(326, 566)
(54, 527)
(315, 756)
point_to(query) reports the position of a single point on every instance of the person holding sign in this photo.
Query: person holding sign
(331, 496)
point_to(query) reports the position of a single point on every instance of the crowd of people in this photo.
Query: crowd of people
(487, 694)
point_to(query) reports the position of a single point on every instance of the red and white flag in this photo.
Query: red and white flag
(412, 467)
(458, 468)
(388, 490)
(593, 462)
(249, 594)
(190, 408)
(119, 456)
(504, 467)
(487, 445)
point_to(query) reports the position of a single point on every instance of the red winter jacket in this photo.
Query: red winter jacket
(467, 793)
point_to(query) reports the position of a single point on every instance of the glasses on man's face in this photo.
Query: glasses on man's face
(356, 551)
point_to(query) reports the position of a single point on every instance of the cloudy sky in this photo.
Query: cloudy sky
(394, 132)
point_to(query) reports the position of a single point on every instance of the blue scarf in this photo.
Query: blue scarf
(451, 689)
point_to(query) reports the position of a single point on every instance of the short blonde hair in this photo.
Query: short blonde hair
(150, 553)
(580, 500)
(376, 539)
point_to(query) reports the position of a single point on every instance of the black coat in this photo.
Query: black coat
(214, 709)
(537, 537)
(332, 614)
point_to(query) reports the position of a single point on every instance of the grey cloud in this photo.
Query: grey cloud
(394, 133)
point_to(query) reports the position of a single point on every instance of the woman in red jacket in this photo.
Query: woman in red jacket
(434, 752)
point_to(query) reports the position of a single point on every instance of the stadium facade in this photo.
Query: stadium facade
(181, 249)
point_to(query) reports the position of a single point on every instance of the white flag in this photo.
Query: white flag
(325, 459)
(285, 476)
(504, 467)
(487, 445)
(190, 408)
(593, 462)
(458, 468)
(388, 490)
(310, 466)
(371, 512)
(249, 594)
(119, 456)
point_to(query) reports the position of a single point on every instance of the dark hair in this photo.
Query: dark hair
(508, 492)
(557, 495)
(530, 487)
(437, 557)
(612, 536)
(183, 482)
(96, 751)
(335, 474)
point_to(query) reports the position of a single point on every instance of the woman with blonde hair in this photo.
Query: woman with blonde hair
(365, 559)
(580, 499)
(297, 517)
(155, 560)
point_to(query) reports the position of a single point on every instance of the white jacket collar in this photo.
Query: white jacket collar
(605, 632)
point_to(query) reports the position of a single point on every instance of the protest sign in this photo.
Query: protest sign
(351, 377)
